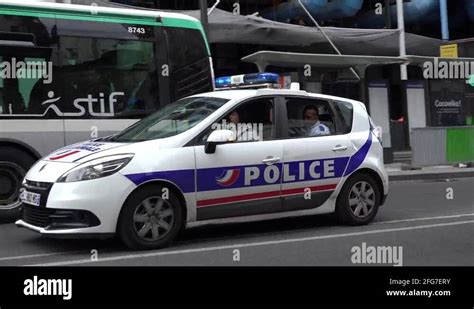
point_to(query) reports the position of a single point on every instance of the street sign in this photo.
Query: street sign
(448, 51)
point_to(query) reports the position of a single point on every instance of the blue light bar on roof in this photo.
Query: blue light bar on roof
(223, 81)
(259, 78)
(247, 79)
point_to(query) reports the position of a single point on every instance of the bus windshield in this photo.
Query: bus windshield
(173, 119)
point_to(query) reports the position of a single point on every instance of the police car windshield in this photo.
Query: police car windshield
(171, 120)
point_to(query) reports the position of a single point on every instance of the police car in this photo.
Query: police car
(253, 153)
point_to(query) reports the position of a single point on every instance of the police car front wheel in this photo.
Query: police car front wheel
(358, 200)
(151, 218)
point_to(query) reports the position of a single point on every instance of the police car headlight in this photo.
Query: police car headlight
(96, 168)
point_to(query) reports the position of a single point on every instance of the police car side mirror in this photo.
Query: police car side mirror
(219, 137)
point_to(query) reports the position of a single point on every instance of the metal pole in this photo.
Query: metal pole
(204, 20)
(443, 7)
(325, 35)
(213, 7)
(388, 15)
(401, 30)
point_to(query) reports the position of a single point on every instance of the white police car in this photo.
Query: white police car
(233, 153)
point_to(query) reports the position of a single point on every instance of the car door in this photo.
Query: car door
(243, 177)
(314, 157)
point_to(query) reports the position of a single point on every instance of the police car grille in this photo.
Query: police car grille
(37, 185)
(36, 216)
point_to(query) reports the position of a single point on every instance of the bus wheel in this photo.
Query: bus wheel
(358, 201)
(13, 166)
(148, 221)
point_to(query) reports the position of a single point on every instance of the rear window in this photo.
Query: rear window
(308, 117)
(346, 112)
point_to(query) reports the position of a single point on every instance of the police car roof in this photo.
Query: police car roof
(239, 94)
(228, 94)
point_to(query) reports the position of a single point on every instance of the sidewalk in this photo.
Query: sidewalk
(399, 171)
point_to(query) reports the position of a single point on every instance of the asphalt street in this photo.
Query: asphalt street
(431, 229)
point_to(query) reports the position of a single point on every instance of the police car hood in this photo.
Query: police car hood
(54, 165)
(79, 152)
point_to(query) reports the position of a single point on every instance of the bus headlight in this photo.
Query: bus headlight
(97, 168)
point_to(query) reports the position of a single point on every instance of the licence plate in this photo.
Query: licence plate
(30, 198)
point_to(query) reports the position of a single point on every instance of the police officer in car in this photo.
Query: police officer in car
(311, 115)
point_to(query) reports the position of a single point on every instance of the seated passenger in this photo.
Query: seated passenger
(311, 115)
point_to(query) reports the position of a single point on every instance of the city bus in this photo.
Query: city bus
(70, 73)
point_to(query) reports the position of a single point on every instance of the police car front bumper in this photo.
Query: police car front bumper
(62, 233)
(78, 208)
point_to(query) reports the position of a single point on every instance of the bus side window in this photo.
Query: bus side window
(120, 72)
(28, 40)
(189, 60)
(11, 100)
(39, 28)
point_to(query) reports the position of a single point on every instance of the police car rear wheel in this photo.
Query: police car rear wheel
(149, 221)
(358, 200)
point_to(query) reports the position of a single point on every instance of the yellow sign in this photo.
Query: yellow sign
(449, 51)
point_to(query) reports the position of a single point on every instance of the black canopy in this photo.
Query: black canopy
(225, 27)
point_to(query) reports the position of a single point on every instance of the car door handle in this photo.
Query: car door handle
(339, 148)
(271, 160)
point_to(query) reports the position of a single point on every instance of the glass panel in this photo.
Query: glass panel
(309, 118)
(106, 78)
(173, 119)
(20, 76)
(346, 110)
(27, 53)
(251, 122)
(189, 61)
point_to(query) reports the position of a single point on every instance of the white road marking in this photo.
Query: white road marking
(427, 218)
(254, 244)
(39, 255)
(20, 257)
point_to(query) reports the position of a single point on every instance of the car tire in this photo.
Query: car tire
(357, 209)
(14, 164)
(10, 215)
(142, 226)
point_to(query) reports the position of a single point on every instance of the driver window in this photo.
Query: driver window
(251, 122)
